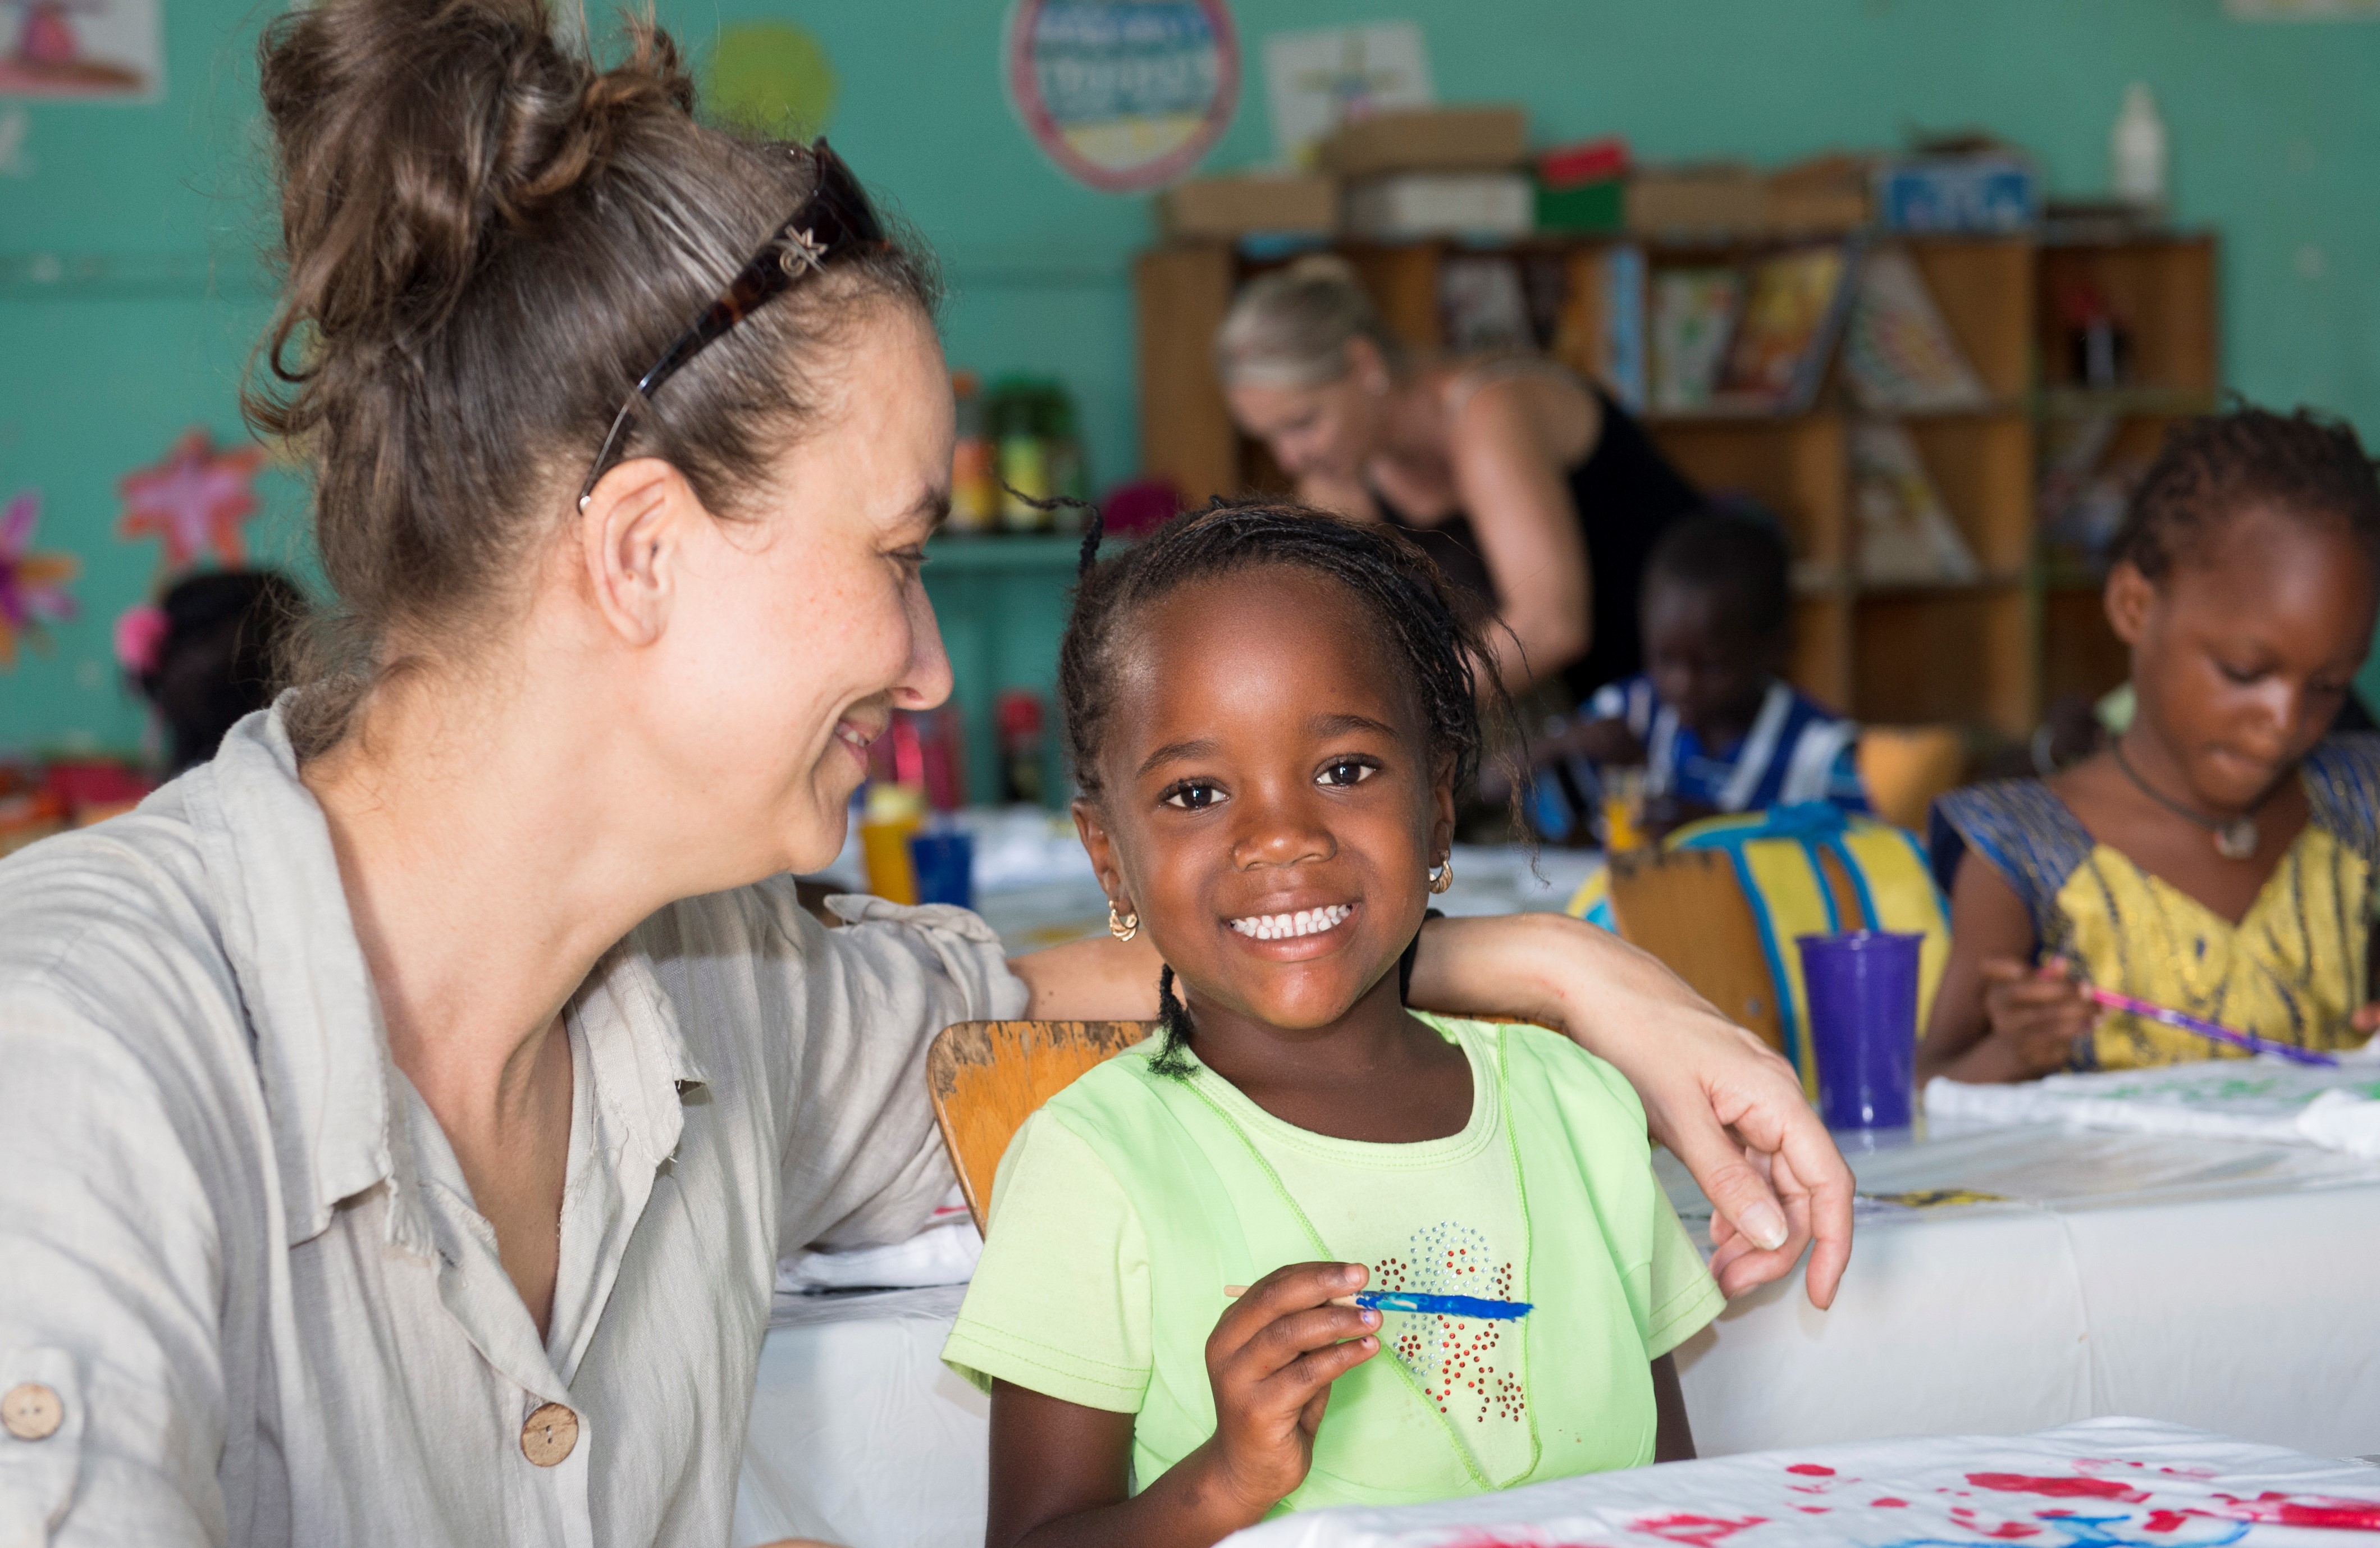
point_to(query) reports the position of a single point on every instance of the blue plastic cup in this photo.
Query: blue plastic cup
(944, 862)
(1863, 991)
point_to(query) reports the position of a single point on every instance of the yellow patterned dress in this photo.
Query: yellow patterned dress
(2292, 969)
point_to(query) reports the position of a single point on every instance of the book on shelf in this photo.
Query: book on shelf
(1906, 535)
(1792, 308)
(1695, 312)
(1899, 355)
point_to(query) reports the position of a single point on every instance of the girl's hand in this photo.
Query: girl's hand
(2366, 1019)
(2035, 1013)
(1272, 1361)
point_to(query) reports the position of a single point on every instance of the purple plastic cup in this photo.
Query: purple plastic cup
(943, 859)
(1863, 993)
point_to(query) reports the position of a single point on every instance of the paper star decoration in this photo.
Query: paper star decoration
(195, 499)
(32, 586)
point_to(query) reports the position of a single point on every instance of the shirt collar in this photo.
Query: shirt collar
(314, 1020)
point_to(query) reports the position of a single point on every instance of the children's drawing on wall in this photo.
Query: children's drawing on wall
(1124, 95)
(32, 586)
(1313, 81)
(105, 50)
(196, 499)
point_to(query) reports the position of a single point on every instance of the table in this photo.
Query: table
(2107, 1483)
(2215, 1284)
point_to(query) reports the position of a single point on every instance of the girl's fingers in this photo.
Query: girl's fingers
(1282, 1342)
(1297, 1287)
(1297, 1384)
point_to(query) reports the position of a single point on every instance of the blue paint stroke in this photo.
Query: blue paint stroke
(1443, 1306)
(2084, 1532)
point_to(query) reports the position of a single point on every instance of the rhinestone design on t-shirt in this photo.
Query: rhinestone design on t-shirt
(1458, 1360)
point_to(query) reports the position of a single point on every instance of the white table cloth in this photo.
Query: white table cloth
(2220, 1285)
(2108, 1483)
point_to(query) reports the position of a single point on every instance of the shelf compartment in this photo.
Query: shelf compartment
(2161, 289)
(1960, 656)
(1798, 467)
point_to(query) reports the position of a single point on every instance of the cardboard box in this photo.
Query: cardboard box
(1228, 207)
(1826, 193)
(1427, 140)
(1719, 199)
(1407, 206)
(1991, 192)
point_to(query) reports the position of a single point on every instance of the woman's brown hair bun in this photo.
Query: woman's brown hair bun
(488, 235)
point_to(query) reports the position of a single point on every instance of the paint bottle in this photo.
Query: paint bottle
(974, 488)
(2136, 150)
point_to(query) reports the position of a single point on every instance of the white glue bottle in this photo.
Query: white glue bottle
(2136, 150)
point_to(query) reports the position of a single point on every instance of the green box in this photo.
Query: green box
(1591, 209)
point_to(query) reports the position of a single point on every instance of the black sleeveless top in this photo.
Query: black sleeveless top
(1626, 494)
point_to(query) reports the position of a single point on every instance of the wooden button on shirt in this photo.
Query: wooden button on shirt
(32, 1412)
(550, 1435)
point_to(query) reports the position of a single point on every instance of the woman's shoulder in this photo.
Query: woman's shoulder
(126, 896)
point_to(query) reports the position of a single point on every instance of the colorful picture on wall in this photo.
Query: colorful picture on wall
(1315, 82)
(97, 49)
(195, 499)
(32, 586)
(1124, 95)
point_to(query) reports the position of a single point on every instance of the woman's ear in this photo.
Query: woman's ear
(1366, 367)
(2127, 598)
(632, 532)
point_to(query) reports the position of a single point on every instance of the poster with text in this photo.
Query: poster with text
(1124, 95)
(82, 50)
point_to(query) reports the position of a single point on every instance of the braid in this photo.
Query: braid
(1177, 1018)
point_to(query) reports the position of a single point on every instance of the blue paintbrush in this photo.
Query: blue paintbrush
(1425, 1306)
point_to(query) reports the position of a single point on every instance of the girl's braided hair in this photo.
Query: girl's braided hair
(2307, 465)
(1421, 627)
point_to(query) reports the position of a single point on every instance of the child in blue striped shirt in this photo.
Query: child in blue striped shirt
(1712, 724)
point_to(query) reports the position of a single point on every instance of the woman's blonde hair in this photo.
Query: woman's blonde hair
(1291, 328)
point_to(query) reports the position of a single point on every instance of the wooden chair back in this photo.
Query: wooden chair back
(1905, 767)
(985, 1077)
(1687, 908)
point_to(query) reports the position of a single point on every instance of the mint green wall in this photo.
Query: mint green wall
(147, 213)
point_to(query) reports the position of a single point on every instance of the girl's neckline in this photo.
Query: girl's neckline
(1478, 1130)
(2264, 885)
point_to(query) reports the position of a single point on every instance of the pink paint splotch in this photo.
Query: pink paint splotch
(1694, 1531)
(1811, 1469)
(2277, 1509)
(2061, 1488)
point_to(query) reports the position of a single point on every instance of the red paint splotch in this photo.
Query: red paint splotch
(1813, 1509)
(2059, 1488)
(2274, 1508)
(1811, 1469)
(2165, 1520)
(1489, 1540)
(1694, 1531)
(1888, 1502)
(2012, 1531)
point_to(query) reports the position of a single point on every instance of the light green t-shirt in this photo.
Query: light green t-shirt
(1061, 1302)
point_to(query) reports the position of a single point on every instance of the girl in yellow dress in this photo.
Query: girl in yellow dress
(2220, 855)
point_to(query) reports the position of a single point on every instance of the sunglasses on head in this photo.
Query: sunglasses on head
(835, 220)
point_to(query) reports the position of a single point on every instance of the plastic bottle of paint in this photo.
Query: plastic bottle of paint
(2136, 150)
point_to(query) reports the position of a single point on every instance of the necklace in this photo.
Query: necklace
(2235, 839)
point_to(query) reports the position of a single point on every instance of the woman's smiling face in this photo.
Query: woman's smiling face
(1267, 802)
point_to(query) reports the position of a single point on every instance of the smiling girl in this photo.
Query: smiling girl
(2220, 855)
(1271, 712)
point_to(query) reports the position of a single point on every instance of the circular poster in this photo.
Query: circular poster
(1124, 94)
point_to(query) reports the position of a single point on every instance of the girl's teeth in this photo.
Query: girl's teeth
(1281, 927)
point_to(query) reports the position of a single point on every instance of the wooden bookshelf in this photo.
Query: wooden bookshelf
(1982, 653)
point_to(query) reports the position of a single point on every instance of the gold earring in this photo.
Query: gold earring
(1441, 875)
(1122, 929)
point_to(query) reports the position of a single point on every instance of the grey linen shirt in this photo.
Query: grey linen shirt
(238, 1254)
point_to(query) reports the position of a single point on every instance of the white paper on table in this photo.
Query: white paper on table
(2104, 1483)
(2266, 1098)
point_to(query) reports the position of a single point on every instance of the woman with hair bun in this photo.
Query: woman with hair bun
(404, 1111)
(1530, 487)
